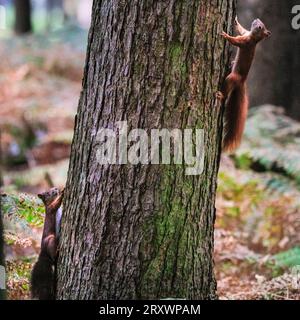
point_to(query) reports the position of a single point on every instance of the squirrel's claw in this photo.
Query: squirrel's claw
(219, 95)
(224, 34)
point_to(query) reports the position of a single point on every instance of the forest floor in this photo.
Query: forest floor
(257, 236)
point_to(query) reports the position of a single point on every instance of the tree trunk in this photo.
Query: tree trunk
(145, 231)
(274, 77)
(22, 16)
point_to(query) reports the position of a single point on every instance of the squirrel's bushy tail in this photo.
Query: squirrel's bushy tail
(42, 279)
(235, 117)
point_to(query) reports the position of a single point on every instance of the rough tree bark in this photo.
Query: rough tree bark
(145, 231)
(22, 16)
(274, 77)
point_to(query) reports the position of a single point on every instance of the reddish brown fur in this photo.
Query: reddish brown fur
(236, 111)
(43, 273)
(234, 88)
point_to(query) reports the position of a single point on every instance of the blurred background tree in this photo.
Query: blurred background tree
(26, 16)
(22, 16)
(274, 77)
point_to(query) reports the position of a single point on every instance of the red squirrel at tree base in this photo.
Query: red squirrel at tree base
(234, 91)
(43, 272)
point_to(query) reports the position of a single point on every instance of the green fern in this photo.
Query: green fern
(289, 258)
(271, 140)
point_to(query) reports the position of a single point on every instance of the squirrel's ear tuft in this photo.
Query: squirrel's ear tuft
(41, 196)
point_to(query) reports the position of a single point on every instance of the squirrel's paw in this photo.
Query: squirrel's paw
(236, 21)
(219, 96)
(224, 34)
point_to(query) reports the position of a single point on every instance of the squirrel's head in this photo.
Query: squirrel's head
(49, 196)
(259, 30)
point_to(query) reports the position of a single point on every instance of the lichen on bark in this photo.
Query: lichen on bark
(145, 231)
